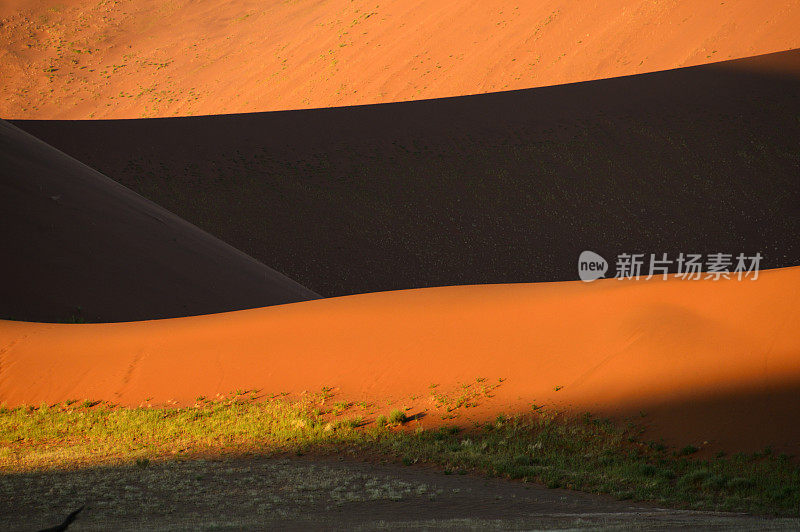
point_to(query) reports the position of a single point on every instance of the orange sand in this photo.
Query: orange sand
(142, 58)
(708, 361)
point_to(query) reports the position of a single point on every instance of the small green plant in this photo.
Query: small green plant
(686, 451)
(352, 423)
(340, 407)
(468, 395)
(397, 417)
(327, 393)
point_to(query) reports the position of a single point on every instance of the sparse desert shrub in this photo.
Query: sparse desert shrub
(555, 451)
(397, 417)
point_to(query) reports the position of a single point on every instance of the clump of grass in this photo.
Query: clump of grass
(466, 395)
(341, 406)
(686, 451)
(353, 422)
(397, 417)
(582, 453)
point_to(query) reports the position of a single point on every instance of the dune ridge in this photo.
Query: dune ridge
(505, 187)
(145, 58)
(708, 361)
(79, 246)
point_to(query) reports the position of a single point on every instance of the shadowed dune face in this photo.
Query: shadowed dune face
(707, 361)
(504, 187)
(143, 58)
(79, 246)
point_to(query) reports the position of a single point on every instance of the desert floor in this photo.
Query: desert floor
(326, 493)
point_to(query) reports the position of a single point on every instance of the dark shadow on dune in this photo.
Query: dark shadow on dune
(749, 419)
(503, 187)
(79, 247)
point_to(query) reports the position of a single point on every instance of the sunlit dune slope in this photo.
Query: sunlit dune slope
(78, 246)
(715, 361)
(140, 58)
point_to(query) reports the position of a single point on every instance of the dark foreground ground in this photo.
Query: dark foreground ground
(324, 493)
(504, 187)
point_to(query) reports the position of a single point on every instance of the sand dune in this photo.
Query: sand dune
(143, 58)
(500, 187)
(503, 187)
(707, 361)
(77, 245)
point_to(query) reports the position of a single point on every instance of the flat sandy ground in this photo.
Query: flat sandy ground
(326, 493)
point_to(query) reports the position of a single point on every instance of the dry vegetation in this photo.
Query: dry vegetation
(583, 453)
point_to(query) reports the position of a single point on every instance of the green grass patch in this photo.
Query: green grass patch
(581, 453)
(397, 417)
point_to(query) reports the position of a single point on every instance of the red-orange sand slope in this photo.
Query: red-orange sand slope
(707, 361)
(141, 58)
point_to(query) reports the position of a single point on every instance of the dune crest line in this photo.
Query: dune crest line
(149, 58)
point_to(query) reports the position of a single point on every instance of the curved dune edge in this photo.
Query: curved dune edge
(146, 58)
(715, 362)
(82, 240)
(475, 190)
